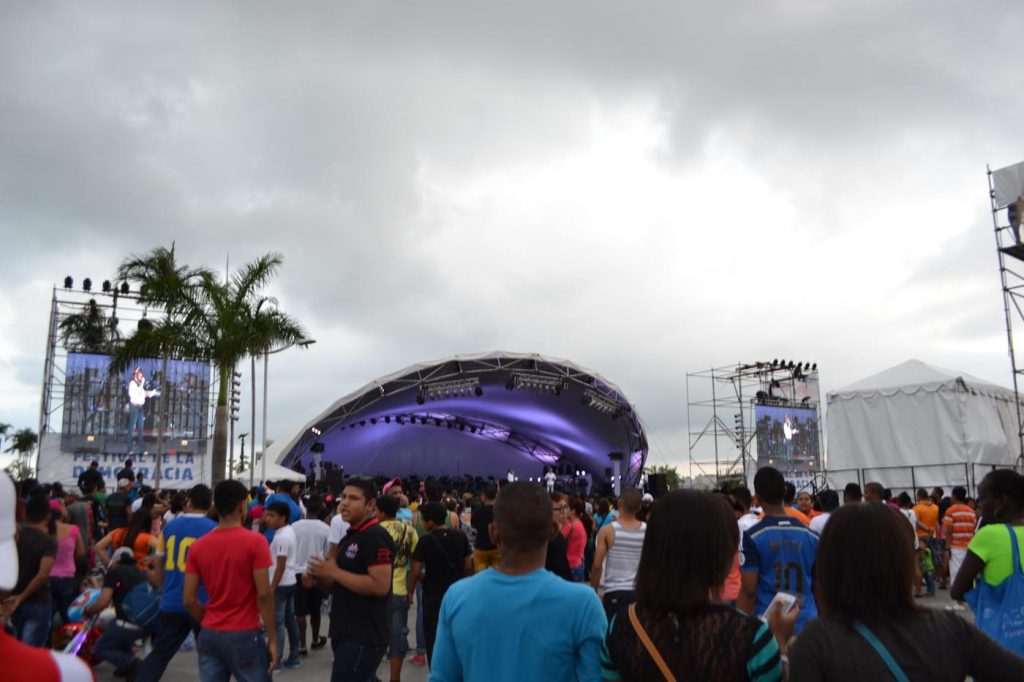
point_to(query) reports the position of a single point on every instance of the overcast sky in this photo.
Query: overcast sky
(645, 188)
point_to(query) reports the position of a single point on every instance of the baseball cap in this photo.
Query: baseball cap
(8, 550)
(123, 483)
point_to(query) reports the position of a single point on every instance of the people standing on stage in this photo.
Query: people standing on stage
(232, 563)
(359, 582)
(312, 538)
(137, 395)
(169, 571)
(549, 480)
(617, 554)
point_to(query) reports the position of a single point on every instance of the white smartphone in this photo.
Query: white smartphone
(787, 600)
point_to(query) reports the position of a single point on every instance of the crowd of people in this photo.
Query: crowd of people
(515, 580)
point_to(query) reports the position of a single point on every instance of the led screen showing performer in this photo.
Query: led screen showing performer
(787, 438)
(120, 413)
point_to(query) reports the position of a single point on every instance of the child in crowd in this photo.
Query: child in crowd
(927, 570)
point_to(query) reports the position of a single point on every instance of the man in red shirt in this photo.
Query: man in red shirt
(232, 562)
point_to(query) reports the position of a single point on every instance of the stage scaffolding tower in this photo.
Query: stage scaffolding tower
(720, 404)
(1006, 195)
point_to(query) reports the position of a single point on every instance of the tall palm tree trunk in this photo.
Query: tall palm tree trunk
(164, 387)
(220, 428)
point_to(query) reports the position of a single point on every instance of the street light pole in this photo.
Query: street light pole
(304, 343)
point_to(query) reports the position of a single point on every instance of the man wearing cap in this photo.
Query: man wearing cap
(23, 663)
(116, 644)
(118, 505)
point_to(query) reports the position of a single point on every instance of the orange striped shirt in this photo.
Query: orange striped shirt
(959, 522)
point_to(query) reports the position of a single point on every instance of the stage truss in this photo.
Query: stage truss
(123, 312)
(720, 406)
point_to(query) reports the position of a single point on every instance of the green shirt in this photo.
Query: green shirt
(992, 545)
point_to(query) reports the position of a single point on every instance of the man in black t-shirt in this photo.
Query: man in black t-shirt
(127, 471)
(119, 505)
(445, 555)
(359, 582)
(486, 554)
(30, 603)
(92, 476)
(116, 645)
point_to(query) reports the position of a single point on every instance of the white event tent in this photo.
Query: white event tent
(917, 425)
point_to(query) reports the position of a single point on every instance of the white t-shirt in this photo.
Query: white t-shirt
(549, 477)
(283, 545)
(136, 505)
(311, 538)
(746, 522)
(339, 527)
(819, 521)
(911, 517)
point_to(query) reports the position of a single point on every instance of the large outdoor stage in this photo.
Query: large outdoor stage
(478, 415)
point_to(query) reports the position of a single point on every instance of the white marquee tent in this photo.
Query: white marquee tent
(919, 425)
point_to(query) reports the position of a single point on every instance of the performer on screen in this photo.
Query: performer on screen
(788, 432)
(137, 395)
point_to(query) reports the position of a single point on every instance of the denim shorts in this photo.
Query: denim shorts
(399, 646)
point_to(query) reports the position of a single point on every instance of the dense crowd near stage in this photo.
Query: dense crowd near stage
(509, 579)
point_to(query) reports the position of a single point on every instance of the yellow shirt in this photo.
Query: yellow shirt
(405, 539)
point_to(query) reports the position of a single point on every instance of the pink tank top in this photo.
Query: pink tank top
(64, 563)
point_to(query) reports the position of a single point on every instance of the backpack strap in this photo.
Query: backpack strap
(883, 653)
(649, 645)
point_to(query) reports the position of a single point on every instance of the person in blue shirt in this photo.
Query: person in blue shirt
(777, 553)
(169, 568)
(518, 621)
(283, 494)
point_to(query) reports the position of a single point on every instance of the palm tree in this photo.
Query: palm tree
(166, 285)
(90, 330)
(223, 322)
(23, 442)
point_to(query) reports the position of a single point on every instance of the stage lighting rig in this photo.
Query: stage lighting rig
(538, 382)
(87, 284)
(450, 389)
(124, 288)
(106, 286)
(595, 400)
(69, 282)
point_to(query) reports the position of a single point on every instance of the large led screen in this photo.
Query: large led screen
(120, 413)
(787, 438)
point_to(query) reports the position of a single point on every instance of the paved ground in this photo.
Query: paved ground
(184, 667)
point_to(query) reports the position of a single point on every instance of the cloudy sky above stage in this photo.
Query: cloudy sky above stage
(646, 189)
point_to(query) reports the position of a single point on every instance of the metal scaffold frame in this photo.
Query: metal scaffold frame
(720, 414)
(123, 312)
(1010, 251)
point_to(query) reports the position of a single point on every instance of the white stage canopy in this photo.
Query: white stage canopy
(919, 425)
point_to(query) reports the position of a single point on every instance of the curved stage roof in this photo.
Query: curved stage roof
(477, 415)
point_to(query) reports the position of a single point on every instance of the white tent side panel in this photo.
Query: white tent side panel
(943, 426)
(896, 430)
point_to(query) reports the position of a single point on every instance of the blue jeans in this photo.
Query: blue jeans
(355, 662)
(116, 644)
(577, 574)
(284, 619)
(399, 626)
(223, 653)
(32, 623)
(136, 420)
(64, 593)
(174, 629)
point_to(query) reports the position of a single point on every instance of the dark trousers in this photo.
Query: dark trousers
(355, 662)
(116, 644)
(613, 601)
(174, 629)
(431, 615)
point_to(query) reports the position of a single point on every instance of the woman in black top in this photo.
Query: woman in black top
(688, 551)
(864, 575)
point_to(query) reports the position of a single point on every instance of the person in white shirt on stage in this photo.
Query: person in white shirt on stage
(137, 395)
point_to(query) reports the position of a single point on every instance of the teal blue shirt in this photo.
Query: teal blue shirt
(537, 626)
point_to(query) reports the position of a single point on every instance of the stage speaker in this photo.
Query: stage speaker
(657, 484)
(333, 478)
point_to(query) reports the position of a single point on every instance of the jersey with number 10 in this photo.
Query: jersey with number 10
(177, 539)
(781, 551)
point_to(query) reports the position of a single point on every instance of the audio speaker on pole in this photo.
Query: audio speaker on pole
(334, 477)
(657, 484)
